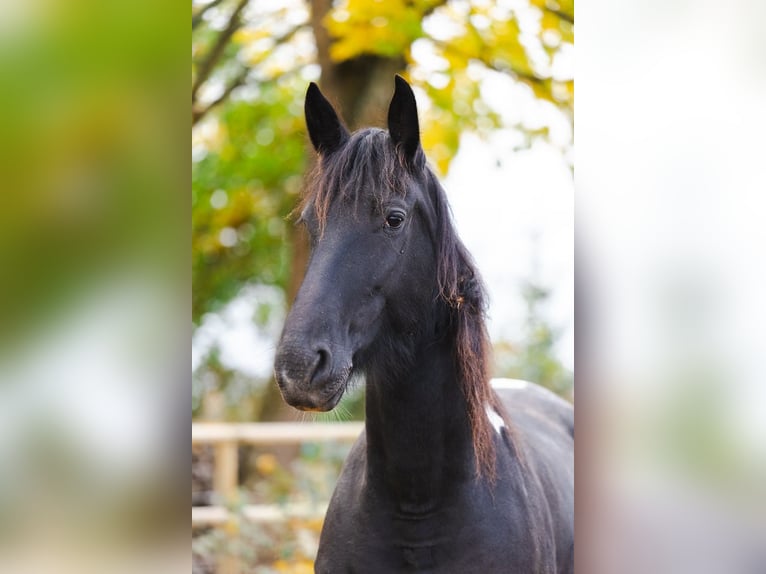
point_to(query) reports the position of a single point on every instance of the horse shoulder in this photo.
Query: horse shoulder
(543, 429)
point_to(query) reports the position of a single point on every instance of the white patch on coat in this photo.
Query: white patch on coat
(495, 419)
(508, 384)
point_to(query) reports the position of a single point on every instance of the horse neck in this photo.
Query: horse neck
(419, 444)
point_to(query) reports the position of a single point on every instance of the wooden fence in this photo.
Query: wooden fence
(226, 438)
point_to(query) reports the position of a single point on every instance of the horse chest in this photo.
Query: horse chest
(361, 535)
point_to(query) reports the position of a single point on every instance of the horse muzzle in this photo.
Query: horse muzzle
(311, 379)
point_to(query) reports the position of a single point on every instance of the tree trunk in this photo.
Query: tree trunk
(360, 88)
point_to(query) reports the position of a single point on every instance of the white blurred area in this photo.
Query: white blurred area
(670, 182)
(86, 428)
(94, 289)
(514, 210)
(92, 380)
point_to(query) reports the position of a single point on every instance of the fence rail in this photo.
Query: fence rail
(264, 513)
(226, 438)
(274, 433)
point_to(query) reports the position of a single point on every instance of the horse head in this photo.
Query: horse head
(372, 267)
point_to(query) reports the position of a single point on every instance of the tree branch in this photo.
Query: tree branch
(197, 18)
(524, 76)
(430, 10)
(290, 33)
(207, 65)
(563, 15)
(198, 112)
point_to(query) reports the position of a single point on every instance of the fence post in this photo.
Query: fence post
(226, 438)
(225, 485)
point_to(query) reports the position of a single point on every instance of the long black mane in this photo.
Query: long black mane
(370, 163)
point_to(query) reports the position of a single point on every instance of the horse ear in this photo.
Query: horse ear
(403, 118)
(326, 131)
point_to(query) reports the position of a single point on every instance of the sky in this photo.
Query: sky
(517, 219)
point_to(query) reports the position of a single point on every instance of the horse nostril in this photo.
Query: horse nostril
(322, 365)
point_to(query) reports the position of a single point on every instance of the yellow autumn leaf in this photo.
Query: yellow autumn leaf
(569, 88)
(541, 89)
(315, 524)
(427, 5)
(344, 49)
(567, 32)
(363, 27)
(231, 527)
(566, 7)
(469, 45)
(550, 21)
(440, 138)
(300, 566)
(266, 464)
(281, 566)
(250, 35)
(516, 58)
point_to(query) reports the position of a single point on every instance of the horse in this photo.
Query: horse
(449, 475)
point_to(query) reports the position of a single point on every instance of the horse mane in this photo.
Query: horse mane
(370, 163)
(462, 289)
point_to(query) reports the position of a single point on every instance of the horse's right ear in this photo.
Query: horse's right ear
(403, 118)
(325, 130)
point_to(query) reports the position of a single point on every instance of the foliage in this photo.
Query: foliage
(244, 183)
(382, 28)
(285, 547)
(533, 358)
(521, 42)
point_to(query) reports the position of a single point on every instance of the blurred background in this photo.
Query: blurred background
(94, 285)
(671, 417)
(494, 84)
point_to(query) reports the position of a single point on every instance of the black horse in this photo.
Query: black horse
(447, 476)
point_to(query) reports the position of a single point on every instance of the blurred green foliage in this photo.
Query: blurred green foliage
(533, 357)
(92, 162)
(522, 42)
(244, 184)
(288, 546)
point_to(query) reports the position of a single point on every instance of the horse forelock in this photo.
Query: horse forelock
(368, 164)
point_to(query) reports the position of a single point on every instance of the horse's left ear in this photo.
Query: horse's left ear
(403, 118)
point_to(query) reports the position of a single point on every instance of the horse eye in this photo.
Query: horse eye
(394, 220)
